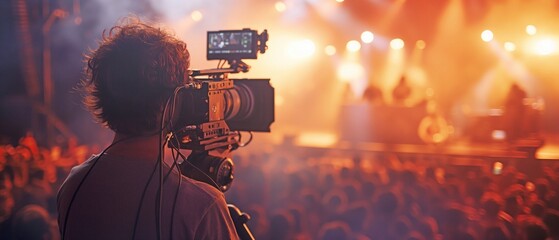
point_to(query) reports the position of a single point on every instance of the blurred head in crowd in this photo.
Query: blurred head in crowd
(532, 228)
(33, 222)
(6, 205)
(551, 220)
(334, 231)
(387, 204)
(281, 226)
(495, 233)
(491, 204)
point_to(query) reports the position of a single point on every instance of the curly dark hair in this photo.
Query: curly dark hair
(131, 74)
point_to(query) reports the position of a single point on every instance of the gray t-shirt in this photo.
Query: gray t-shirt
(107, 205)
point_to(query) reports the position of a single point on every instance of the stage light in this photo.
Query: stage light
(498, 168)
(330, 50)
(531, 30)
(367, 37)
(510, 47)
(353, 46)
(545, 46)
(280, 6)
(420, 44)
(498, 135)
(196, 16)
(301, 48)
(397, 43)
(487, 35)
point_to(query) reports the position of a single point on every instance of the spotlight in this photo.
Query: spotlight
(280, 6)
(546, 46)
(531, 30)
(367, 37)
(510, 47)
(196, 16)
(420, 44)
(397, 43)
(353, 46)
(487, 36)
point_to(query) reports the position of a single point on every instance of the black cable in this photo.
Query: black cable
(159, 201)
(142, 201)
(158, 163)
(143, 197)
(199, 170)
(247, 142)
(175, 157)
(162, 157)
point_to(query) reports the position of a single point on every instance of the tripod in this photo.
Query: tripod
(240, 219)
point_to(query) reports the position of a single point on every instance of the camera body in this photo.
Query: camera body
(212, 109)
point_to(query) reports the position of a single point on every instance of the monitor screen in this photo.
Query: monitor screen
(235, 44)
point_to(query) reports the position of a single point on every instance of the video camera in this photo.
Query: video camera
(213, 109)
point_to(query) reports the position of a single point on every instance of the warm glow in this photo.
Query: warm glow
(397, 43)
(429, 92)
(310, 139)
(510, 47)
(531, 30)
(340, 1)
(196, 16)
(330, 50)
(353, 46)
(487, 36)
(280, 6)
(420, 44)
(350, 71)
(279, 100)
(301, 48)
(367, 37)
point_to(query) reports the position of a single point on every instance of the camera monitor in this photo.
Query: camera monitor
(232, 44)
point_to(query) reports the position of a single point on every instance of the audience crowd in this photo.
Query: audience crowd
(381, 196)
(29, 180)
(292, 195)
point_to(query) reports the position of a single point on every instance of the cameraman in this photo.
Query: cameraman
(115, 195)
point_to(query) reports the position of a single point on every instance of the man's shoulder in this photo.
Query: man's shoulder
(207, 210)
(78, 171)
(191, 188)
(199, 198)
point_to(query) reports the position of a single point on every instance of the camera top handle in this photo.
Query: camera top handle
(237, 66)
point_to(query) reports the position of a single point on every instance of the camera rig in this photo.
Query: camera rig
(212, 110)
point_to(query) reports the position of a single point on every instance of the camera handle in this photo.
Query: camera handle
(240, 220)
(236, 66)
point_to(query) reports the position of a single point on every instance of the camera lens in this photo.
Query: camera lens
(239, 103)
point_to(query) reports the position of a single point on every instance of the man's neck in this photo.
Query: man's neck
(135, 146)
